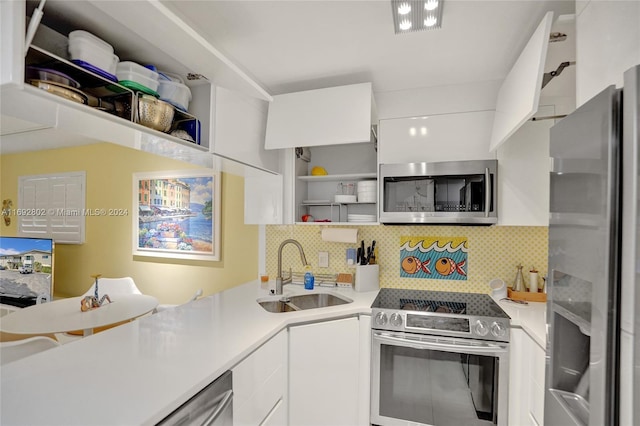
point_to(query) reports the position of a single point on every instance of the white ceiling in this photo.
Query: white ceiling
(294, 45)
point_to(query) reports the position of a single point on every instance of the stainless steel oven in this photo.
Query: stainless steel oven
(438, 358)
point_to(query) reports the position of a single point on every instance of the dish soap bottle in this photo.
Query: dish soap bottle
(308, 279)
(518, 284)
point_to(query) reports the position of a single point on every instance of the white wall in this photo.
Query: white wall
(608, 43)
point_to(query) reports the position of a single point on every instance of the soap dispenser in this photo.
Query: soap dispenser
(308, 278)
(518, 284)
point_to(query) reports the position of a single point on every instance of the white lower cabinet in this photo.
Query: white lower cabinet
(324, 370)
(535, 381)
(277, 416)
(364, 393)
(260, 385)
(526, 380)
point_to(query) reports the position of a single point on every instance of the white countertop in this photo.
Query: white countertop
(532, 318)
(136, 374)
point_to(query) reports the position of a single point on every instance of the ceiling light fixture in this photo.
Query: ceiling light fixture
(431, 5)
(430, 21)
(405, 25)
(404, 8)
(416, 15)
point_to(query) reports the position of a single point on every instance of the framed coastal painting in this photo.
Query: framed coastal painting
(177, 214)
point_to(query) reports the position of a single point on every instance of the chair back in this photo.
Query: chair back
(15, 350)
(163, 307)
(112, 286)
(196, 295)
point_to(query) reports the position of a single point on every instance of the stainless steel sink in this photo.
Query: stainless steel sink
(276, 306)
(303, 302)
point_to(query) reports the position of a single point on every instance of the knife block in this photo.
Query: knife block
(367, 277)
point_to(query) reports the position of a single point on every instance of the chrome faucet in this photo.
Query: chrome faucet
(279, 280)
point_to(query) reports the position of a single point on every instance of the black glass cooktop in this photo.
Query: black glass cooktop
(472, 304)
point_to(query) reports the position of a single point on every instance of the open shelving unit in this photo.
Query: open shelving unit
(315, 194)
(105, 96)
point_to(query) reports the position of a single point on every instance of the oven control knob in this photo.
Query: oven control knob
(482, 328)
(395, 320)
(498, 329)
(381, 318)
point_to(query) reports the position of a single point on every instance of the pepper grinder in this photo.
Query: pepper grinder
(518, 284)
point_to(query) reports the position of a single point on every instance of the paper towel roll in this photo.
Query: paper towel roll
(340, 235)
(533, 282)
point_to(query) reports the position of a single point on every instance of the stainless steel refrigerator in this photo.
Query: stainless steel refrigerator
(593, 357)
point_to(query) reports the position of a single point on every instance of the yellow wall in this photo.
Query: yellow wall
(108, 248)
(493, 252)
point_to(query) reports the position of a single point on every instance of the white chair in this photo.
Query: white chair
(14, 350)
(112, 286)
(164, 307)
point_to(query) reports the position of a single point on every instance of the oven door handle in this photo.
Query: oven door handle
(457, 347)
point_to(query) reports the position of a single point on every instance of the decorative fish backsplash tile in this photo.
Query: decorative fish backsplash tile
(492, 252)
(433, 257)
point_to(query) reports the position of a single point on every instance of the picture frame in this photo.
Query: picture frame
(176, 214)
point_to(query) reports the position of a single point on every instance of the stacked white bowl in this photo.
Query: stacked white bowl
(367, 191)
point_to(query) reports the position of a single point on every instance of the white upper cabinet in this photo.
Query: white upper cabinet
(523, 174)
(12, 18)
(154, 33)
(520, 92)
(440, 137)
(608, 44)
(239, 127)
(331, 116)
(146, 32)
(263, 197)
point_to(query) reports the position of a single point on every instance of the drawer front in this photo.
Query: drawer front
(265, 398)
(255, 370)
(277, 416)
(260, 382)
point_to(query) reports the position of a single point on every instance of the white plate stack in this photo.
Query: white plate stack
(367, 191)
(361, 218)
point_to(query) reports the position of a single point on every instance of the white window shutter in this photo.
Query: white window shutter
(33, 195)
(58, 202)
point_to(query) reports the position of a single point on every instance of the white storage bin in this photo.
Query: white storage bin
(132, 71)
(174, 91)
(80, 36)
(88, 48)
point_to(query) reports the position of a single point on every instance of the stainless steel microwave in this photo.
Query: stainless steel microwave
(454, 192)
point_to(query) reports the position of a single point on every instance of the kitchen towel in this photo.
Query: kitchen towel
(340, 235)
